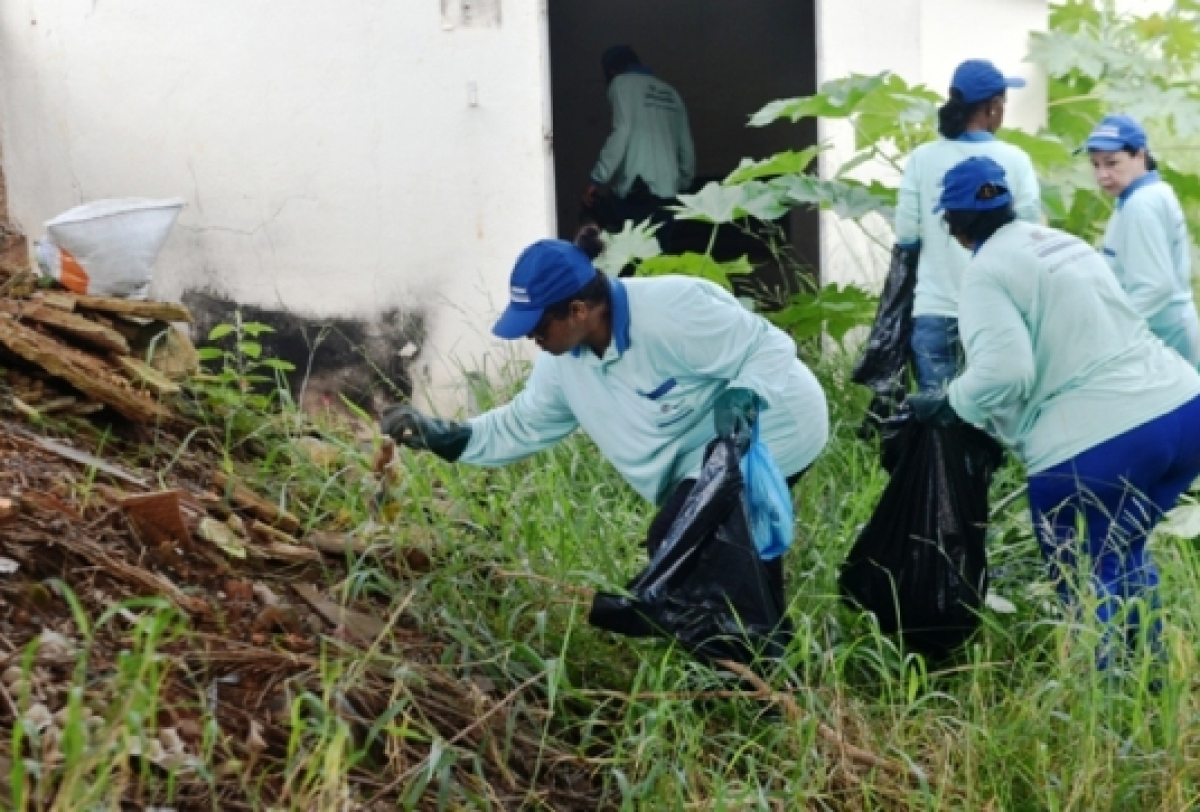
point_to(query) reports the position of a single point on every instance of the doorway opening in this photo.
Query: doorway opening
(726, 60)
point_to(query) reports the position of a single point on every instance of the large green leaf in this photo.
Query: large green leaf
(700, 265)
(790, 162)
(846, 198)
(893, 109)
(718, 204)
(836, 99)
(1044, 149)
(831, 310)
(1075, 15)
(629, 246)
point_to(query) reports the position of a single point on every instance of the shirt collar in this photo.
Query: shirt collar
(1145, 180)
(618, 302)
(976, 135)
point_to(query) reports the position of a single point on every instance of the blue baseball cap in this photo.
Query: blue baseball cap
(979, 80)
(1115, 133)
(546, 273)
(961, 186)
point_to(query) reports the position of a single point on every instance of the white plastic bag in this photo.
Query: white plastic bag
(108, 247)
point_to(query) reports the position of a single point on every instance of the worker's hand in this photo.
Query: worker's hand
(407, 426)
(734, 416)
(589, 195)
(933, 409)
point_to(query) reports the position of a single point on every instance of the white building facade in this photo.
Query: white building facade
(381, 162)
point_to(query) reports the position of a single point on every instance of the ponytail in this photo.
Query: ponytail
(589, 241)
(955, 114)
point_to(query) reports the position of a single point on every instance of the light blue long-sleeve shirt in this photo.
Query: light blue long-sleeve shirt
(1148, 248)
(1058, 359)
(678, 343)
(650, 138)
(940, 268)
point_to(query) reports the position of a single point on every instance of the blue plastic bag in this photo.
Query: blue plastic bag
(768, 501)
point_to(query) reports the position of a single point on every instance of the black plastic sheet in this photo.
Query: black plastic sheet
(705, 586)
(920, 564)
(884, 358)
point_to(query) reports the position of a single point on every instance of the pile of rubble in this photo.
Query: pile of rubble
(110, 491)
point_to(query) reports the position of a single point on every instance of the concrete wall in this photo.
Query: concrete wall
(338, 159)
(382, 162)
(922, 41)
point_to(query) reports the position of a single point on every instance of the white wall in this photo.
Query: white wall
(921, 41)
(330, 159)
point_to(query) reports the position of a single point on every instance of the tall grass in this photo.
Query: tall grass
(1018, 720)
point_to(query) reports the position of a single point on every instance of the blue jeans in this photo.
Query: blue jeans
(1117, 491)
(937, 351)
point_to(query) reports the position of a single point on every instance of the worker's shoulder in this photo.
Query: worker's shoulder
(674, 296)
(1151, 199)
(645, 84)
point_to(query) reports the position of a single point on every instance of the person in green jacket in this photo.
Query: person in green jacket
(967, 124)
(651, 369)
(1146, 242)
(649, 157)
(1062, 369)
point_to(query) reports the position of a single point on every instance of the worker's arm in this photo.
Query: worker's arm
(685, 151)
(1144, 249)
(1000, 362)
(537, 418)
(908, 205)
(613, 153)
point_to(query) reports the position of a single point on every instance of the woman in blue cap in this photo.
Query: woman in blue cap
(651, 369)
(967, 123)
(1146, 243)
(1062, 369)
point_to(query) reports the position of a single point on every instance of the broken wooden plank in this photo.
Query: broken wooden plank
(157, 518)
(260, 508)
(86, 373)
(56, 299)
(145, 375)
(144, 309)
(71, 324)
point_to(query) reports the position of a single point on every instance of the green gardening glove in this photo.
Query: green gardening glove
(407, 426)
(734, 415)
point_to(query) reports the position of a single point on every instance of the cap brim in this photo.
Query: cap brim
(1103, 145)
(514, 323)
(1014, 81)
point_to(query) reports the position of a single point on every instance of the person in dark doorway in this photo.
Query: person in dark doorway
(651, 369)
(1064, 370)
(649, 157)
(967, 124)
(1146, 242)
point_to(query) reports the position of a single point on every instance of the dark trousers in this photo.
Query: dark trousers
(661, 525)
(611, 212)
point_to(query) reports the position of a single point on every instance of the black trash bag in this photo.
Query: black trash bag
(705, 586)
(884, 358)
(920, 564)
